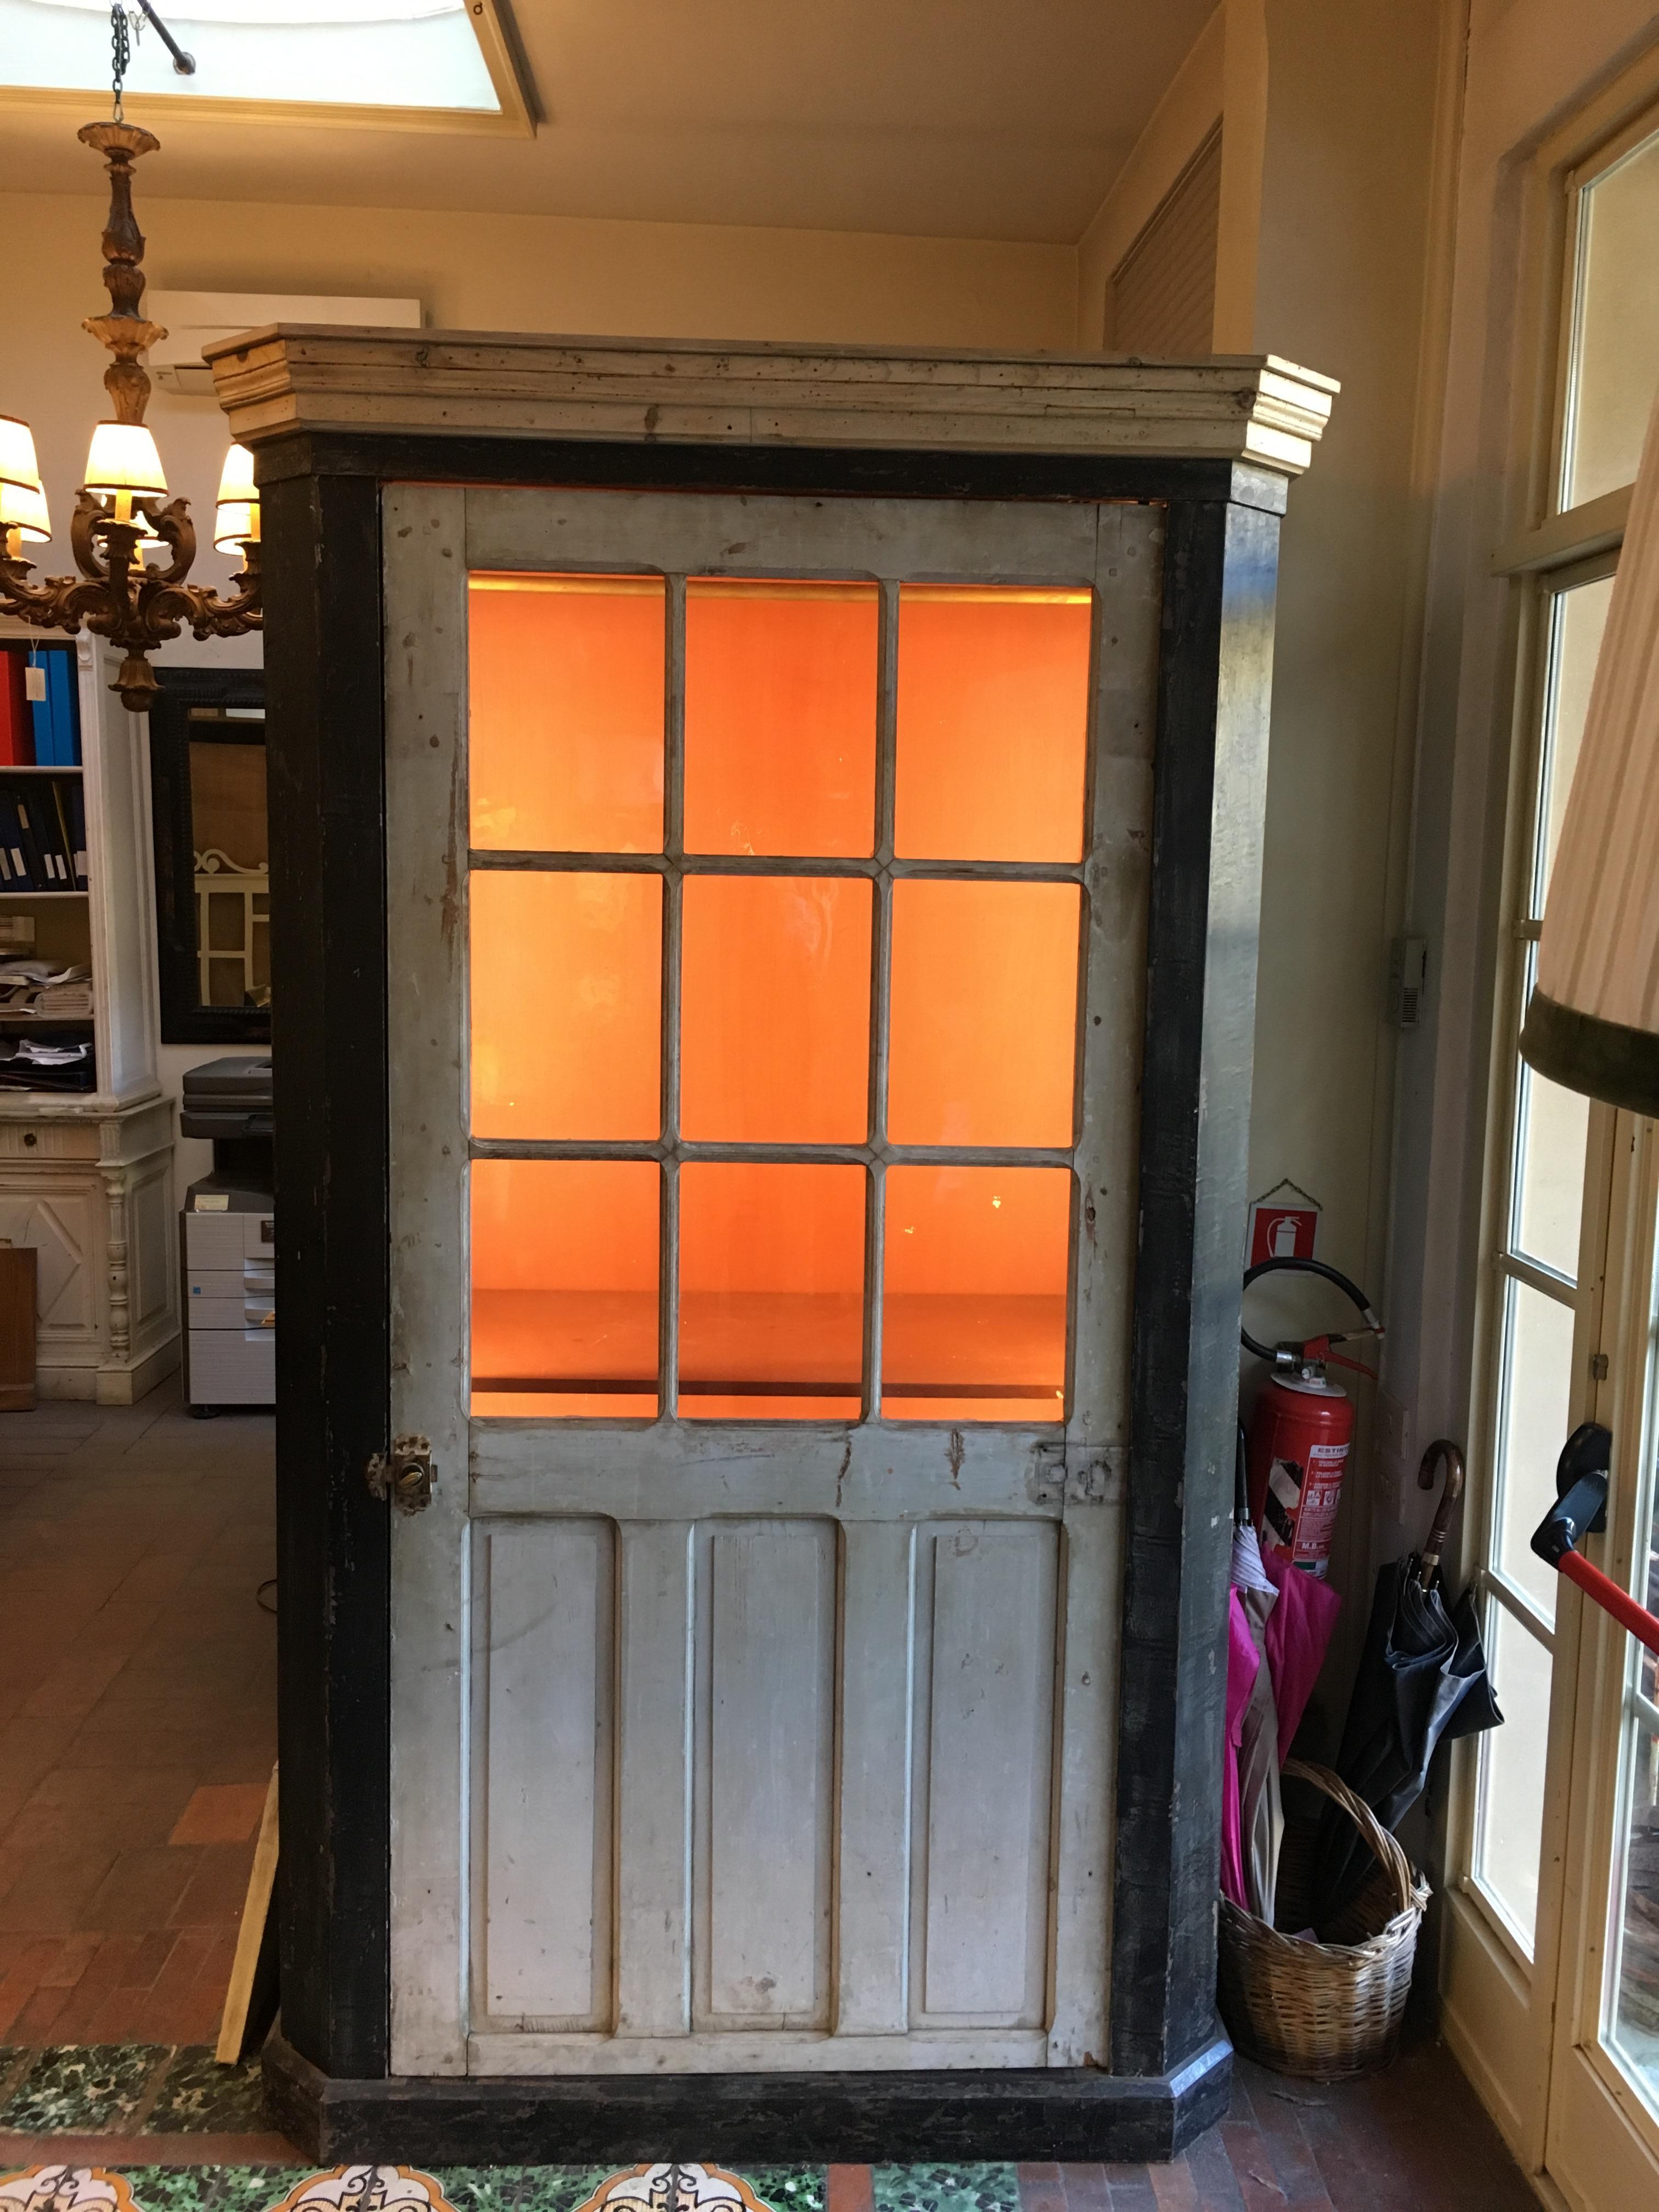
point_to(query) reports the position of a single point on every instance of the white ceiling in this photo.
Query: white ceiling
(969, 119)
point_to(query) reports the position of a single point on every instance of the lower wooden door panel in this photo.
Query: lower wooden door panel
(824, 1758)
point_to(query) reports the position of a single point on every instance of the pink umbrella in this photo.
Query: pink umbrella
(1244, 1661)
(1297, 1636)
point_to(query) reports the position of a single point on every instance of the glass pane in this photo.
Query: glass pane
(226, 917)
(1577, 618)
(771, 1292)
(780, 717)
(1615, 348)
(567, 996)
(564, 1287)
(984, 1013)
(566, 692)
(775, 1020)
(1510, 1823)
(1552, 1132)
(1535, 1421)
(993, 722)
(1634, 1978)
(226, 982)
(228, 805)
(974, 1310)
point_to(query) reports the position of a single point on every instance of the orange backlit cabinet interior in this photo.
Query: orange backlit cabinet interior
(774, 996)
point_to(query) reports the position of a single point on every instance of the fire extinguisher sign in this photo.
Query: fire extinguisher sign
(1284, 1224)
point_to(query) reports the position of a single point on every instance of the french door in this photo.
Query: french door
(767, 890)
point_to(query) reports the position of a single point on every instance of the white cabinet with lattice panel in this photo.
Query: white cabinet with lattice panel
(85, 1175)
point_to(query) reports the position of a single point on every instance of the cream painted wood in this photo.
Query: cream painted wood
(293, 376)
(764, 1776)
(986, 1690)
(425, 538)
(106, 1230)
(545, 1710)
(859, 1746)
(1602, 2145)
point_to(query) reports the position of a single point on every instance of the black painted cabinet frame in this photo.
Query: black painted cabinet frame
(1166, 2073)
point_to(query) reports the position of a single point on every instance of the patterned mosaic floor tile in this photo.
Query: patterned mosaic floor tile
(207, 2188)
(80, 2088)
(520, 2188)
(198, 2096)
(788, 2188)
(946, 2187)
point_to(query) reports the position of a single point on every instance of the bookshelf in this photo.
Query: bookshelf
(86, 1177)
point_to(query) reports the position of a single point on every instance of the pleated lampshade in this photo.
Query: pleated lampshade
(1593, 1021)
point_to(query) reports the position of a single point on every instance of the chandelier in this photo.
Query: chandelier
(122, 511)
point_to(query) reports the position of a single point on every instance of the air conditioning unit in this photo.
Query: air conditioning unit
(193, 320)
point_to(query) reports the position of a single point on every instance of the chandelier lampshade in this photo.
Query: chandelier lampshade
(236, 517)
(1593, 1022)
(18, 466)
(24, 509)
(123, 458)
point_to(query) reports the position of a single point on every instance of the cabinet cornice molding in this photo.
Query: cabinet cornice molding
(295, 377)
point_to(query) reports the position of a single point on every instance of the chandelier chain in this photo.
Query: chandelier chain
(120, 40)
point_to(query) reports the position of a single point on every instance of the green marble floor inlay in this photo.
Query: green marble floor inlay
(81, 2088)
(200, 2097)
(786, 2188)
(944, 2188)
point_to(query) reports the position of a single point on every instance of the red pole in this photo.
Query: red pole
(1607, 1595)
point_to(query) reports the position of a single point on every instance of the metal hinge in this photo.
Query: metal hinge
(1077, 1477)
(403, 1474)
(1598, 1366)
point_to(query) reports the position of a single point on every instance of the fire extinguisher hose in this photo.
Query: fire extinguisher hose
(1318, 1347)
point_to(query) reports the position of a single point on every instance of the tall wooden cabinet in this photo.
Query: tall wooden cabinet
(87, 1179)
(765, 856)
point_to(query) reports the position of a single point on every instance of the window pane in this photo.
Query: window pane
(1509, 1825)
(564, 1287)
(1615, 350)
(1552, 1132)
(993, 722)
(780, 717)
(566, 713)
(974, 1312)
(1533, 1424)
(984, 1013)
(771, 1292)
(1577, 618)
(775, 1020)
(1635, 1978)
(567, 994)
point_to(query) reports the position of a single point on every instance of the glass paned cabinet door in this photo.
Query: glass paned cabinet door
(811, 964)
(766, 971)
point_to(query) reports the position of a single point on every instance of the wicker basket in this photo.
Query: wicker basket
(1325, 2010)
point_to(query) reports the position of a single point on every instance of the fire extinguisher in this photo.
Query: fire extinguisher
(1300, 1431)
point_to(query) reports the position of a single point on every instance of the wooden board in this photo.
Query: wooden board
(251, 2000)
(17, 1267)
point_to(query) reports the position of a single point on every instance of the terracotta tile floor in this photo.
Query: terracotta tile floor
(137, 1714)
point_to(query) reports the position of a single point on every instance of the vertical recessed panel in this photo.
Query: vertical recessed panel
(975, 1283)
(771, 1291)
(545, 1762)
(780, 717)
(564, 1287)
(567, 1004)
(774, 1021)
(566, 713)
(989, 1721)
(993, 722)
(767, 1794)
(984, 1013)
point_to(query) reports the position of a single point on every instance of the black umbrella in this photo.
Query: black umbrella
(1422, 1682)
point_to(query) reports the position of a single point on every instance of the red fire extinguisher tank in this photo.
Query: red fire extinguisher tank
(1295, 1457)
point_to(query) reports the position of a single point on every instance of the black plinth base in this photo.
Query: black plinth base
(1074, 2114)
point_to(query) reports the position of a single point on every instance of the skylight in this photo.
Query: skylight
(338, 54)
